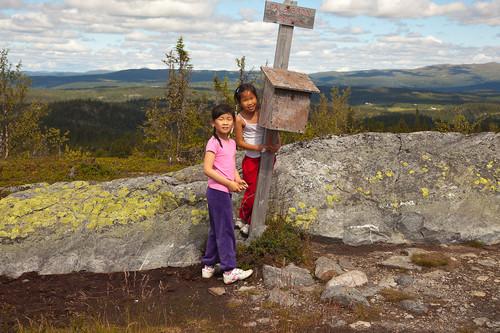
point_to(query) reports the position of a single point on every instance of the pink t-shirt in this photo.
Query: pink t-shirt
(224, 163)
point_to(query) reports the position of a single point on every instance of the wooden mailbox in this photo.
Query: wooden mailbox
(286, 100)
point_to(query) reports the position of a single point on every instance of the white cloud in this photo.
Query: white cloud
(145, 8)
(391, 8)
(483, 13)
(11, 4)
(69, 46)
(349, 31)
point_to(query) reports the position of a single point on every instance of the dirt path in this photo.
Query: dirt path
(460, 297)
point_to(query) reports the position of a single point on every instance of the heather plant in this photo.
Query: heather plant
(282, 243)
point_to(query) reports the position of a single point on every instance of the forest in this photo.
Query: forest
(171, 121)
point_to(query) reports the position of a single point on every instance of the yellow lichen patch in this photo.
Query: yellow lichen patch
(389, 173)
(64, 208)
(425, 192)
(302, 205)
(412, 171)
(292, 209)
(425, 169)
(198, 215)
(426, 157)
(192, 199)
(332, 198)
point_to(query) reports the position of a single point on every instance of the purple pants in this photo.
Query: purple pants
(221, 238)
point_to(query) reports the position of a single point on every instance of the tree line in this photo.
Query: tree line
(175, 126)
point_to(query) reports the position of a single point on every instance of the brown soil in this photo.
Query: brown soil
(179, 299)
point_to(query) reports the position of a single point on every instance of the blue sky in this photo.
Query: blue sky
(79, 36)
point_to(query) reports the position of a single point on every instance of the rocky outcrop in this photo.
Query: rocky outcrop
(398, 188)
(394, 188)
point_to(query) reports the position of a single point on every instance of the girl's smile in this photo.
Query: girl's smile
(248, 101)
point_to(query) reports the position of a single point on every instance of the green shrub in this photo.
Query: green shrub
(281, 244)
(93, 169)
(475, 243)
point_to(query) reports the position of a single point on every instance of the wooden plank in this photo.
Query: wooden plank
(263, 183)
(281, 57)
(289, 14)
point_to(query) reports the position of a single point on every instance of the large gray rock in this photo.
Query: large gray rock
(127, 224)
(396, 188)
(371, 187)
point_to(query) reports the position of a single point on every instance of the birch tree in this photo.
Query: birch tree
(14, 86)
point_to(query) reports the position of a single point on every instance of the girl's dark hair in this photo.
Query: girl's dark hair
(242, 88)
(218, 111)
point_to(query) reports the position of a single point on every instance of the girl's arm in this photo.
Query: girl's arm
(238, 135)
(274, 148)
(209, 171)
(243, 184)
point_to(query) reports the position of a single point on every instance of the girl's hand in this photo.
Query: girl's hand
(260, 147)
(243, 184)
(274, 148)
(234, 187)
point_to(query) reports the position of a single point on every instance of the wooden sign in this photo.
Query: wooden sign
(287, 14)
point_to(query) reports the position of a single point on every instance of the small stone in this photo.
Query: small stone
(360, 325)
(405, 280)
(412, 306)
(479, 293)
(487, 262)
(387, 281)
(480, 321)
(483, 278)
(399, 262)
(346, 264)
(351, 279)
(217, 291)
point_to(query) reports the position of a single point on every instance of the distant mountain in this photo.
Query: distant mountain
(49, 73)
(445, 78)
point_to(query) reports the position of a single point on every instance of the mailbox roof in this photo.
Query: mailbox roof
(285, 79)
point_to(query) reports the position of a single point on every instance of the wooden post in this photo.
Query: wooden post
(288, 15)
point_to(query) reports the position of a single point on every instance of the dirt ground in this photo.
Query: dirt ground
(463, 297)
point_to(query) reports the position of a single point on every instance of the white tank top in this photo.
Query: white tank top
(254, 135)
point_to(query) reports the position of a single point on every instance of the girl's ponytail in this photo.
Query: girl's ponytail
(217, 137)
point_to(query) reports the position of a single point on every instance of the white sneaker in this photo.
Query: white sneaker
(244, 229)
(236, 274)
(239, 223)
(207, 272)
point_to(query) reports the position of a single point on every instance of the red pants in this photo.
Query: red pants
(250, 168)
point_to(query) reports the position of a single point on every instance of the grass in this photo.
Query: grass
(20, 171)
(394, 295)
(365, 313)
(430, 259)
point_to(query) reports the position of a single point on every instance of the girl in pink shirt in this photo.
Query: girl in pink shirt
(223, 179)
